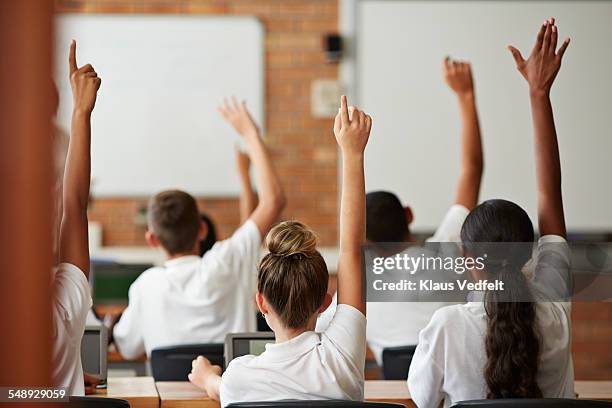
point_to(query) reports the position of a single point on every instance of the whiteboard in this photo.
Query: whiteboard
(414, 148)
(155, 125)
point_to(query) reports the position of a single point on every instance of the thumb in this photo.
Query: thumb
(518, 58)
(72, 57)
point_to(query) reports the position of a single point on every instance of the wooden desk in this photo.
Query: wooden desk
(183, 394)
(140, 392)
(388, 391)
(597, 390)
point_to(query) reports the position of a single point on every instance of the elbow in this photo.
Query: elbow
(279, 201)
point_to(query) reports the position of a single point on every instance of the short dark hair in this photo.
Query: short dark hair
(385, 218)
(293, 276)
(174, 219)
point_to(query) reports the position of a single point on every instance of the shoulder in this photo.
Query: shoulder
(147, 278)
(448, 319)
(236, 370)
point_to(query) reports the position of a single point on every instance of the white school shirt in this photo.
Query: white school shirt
(394, 324)
(450, 357)
(311, 366)
(193, 299)
(71, 303)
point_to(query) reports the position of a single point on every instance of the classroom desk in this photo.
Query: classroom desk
(140, 392)
(182, 394)
(143, 392)
(596, 390)
(388, 391)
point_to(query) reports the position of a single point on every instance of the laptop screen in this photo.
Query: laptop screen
(90, 352)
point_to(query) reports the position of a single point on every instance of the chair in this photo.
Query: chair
(314, 403)
(174, 363)
(533, 403)
(95, 402)
(396, 362)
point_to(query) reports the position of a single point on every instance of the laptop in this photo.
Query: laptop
(94, 347)
(242, 344)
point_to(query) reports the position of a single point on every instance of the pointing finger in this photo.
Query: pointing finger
(72, 57)
(344, 115)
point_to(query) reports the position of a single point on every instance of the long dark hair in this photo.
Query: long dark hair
(512, 343)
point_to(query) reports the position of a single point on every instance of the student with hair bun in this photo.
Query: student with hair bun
(292, 291)
(515, 344)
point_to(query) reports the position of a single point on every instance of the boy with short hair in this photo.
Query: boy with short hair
(193, 299)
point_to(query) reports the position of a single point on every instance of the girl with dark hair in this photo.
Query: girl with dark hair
(505, 344)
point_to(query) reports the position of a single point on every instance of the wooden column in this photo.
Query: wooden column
(25, 189)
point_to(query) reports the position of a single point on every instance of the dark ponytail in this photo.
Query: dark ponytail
(512, 343)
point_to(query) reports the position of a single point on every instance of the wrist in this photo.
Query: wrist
(539, 93)
(467, 96)
(352, 156)
(79, 112)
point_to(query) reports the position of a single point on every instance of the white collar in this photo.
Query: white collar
(290, 349)
(170, 263)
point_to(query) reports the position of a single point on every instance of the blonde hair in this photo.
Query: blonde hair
(293, 276)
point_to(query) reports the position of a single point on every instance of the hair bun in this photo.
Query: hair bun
(291, 239)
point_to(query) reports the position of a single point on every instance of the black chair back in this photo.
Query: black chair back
(174, 363)
(533, 403)
(396, 362)
(314, 403)
(95, 402)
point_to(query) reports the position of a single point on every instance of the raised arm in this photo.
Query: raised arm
(540, 71)
(74, 248)
(352, 136)
(458, 76)
(270, 191)
(248, 200)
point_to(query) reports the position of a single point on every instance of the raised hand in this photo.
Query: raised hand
(542, 66)
(237, 115)
(352, 132)
(84, 81)
(458, 76)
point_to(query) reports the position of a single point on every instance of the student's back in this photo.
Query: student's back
(453, 347)
(515, 341)
(192, 299)
(292, 291)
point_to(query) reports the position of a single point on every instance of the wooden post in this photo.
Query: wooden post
(25, 189)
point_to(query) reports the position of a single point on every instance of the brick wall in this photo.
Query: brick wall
(302, 147)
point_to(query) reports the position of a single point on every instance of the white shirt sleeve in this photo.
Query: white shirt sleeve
(426, 374)
(326, 317)
(72, 297)
(449, 229)
(127, 333)
(553, 277)
(347, 332)
(241, 252)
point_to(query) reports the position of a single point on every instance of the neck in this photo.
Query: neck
(284, 335)
(170, 257)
